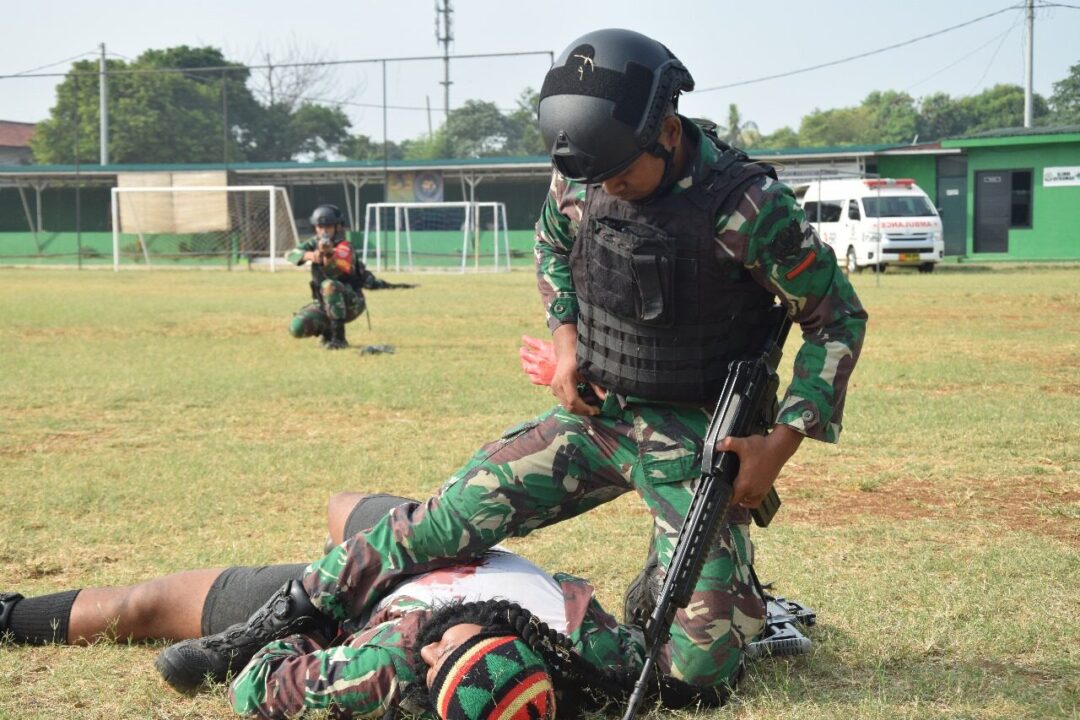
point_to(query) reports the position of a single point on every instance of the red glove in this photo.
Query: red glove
(537, 359)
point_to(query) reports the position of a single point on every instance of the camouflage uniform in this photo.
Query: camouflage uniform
(367, 671)
(340, 293)
(560, 464)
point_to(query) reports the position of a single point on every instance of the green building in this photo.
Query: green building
(1004, 195)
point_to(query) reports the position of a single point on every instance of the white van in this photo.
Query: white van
(875, 222)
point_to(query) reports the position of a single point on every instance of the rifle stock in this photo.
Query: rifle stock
(746, 407)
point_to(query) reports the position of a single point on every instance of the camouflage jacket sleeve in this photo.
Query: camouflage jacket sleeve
(364, 677)
(555, 232)
(595, 634)
(296, 255)
(769, 234)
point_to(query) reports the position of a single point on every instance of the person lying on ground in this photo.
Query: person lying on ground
(492, 637)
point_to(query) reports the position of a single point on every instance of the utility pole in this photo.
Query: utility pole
(444, 33)
(103, 100)
(1029, 51)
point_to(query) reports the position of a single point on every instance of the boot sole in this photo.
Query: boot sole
(170, 665)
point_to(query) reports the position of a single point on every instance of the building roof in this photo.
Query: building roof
(807, 152)
(1017, 136)
(15, 134)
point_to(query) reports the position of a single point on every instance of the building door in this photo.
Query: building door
(952, 202)
(993, 211)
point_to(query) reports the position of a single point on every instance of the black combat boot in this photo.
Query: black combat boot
(327, 337)
(187, 665)
(337, 336)
(7, 604)
(640, 598)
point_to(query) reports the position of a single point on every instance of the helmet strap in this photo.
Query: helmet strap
(667, 180)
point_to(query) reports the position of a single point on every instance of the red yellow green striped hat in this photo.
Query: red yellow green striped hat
(493, 677)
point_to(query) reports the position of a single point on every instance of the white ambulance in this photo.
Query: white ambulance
(875, 222)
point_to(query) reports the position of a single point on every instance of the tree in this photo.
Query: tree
(941, 117)
(841, 126)
(894, 117)
(783, 138)
(1066, 99)
(180, 116)
(153, 117)
(476, 129)
(281, 133)
(738, 132)
(1001, 106)
(362, 147)
(524, 132)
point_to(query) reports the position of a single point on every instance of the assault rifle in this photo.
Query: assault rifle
(747, 406)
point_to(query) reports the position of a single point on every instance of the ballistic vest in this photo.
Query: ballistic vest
(661, 314)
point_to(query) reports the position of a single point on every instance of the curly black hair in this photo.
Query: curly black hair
(579, 685)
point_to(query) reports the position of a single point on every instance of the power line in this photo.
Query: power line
(331, 101)
(59, 62)
(961, 59)
(238, 66)
(859, 56)
(994, 56)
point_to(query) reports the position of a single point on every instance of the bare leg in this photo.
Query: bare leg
(168, 607)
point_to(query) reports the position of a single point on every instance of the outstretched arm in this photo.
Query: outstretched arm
(298, 673)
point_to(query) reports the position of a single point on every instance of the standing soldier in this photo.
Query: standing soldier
(337, 280)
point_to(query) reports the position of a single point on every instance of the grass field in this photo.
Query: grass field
(158, 421)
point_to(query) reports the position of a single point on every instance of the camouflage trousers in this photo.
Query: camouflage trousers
(549, 469)
(339, 302)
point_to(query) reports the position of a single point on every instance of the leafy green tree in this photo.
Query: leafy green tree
(940, 117)
(362, 147)
(894, 116)
(281, 133)
(1001, 106)
(840, 126)
(476, 129)
(780, 139)
(428, 147)
(1065, 102)
(153, 117)
(179, 117)
(738, 131)
(524, 132)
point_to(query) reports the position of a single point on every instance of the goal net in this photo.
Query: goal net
(201, 225)
(459, 236)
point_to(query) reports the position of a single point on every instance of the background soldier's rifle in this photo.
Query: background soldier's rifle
(323, 250)
(747, 406)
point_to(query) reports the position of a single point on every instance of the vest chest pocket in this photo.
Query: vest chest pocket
(632, 271)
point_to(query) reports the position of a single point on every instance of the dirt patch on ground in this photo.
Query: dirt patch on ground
(1044, 506)
(54, 441)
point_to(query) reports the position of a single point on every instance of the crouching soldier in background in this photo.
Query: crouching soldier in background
(337, 280)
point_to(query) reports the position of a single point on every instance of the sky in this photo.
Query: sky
(721, 42)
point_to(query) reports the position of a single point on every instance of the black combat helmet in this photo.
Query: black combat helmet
(327, 215)
(603, 102)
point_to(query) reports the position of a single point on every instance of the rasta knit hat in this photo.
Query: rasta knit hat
(493, 676)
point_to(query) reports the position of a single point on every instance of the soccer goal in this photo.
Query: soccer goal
(458, 236)
(201, 225)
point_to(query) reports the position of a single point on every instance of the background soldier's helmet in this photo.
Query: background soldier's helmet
(603, 102)
(327, 215)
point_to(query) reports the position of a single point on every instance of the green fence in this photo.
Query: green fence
(430, 249)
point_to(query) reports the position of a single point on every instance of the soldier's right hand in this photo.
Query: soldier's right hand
(566, 379)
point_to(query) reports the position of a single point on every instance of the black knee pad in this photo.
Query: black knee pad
(371, 510)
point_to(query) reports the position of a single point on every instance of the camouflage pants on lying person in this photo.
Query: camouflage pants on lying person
(548, 470)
